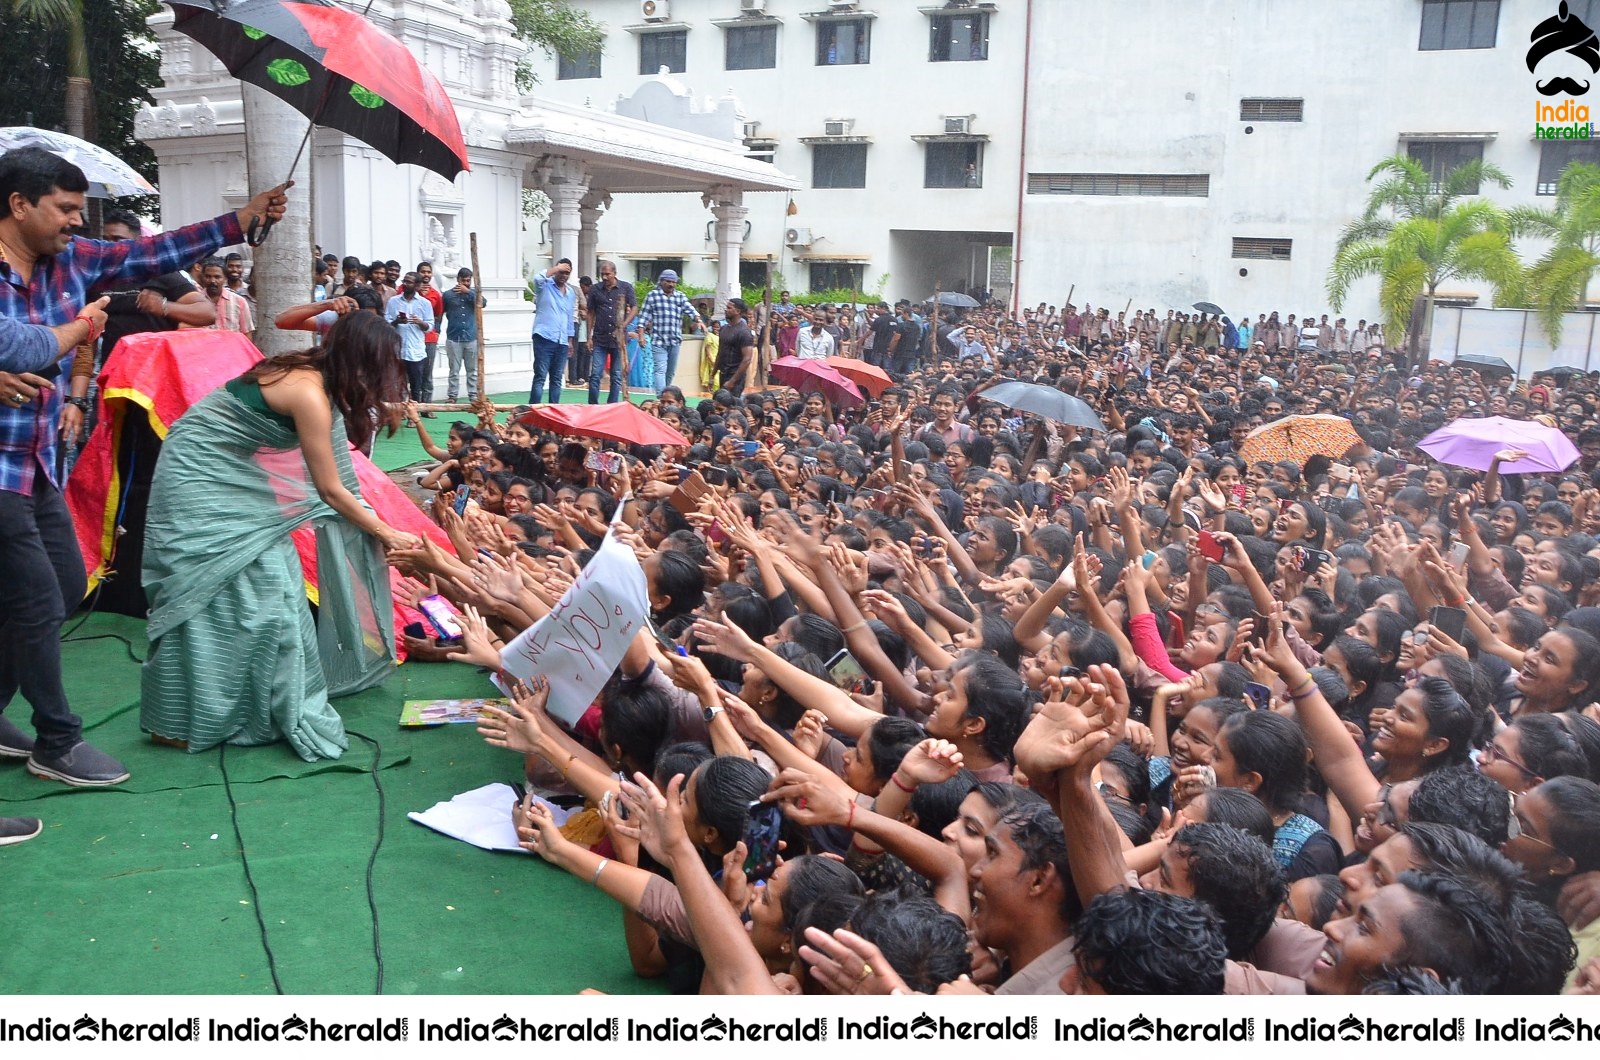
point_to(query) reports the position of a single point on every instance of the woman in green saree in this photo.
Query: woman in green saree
(235, 655)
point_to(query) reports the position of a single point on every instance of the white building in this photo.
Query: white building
(363, 204)
(1172, 150)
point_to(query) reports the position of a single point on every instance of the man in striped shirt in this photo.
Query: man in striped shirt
(48, 276)
(664, 311)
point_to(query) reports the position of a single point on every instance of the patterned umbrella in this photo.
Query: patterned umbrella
(338, 69)
(868, 377)
(1299, 438)
(817, 377)
(108, 175)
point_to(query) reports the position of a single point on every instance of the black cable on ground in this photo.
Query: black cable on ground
(255, 895)
(372, 859)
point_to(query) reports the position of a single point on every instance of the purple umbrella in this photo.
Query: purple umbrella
(1473, 443)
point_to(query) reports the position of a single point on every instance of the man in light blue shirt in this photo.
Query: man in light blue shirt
(554, 323)
(662, 314)
(412, 316)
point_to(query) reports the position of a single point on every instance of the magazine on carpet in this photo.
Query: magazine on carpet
(426, 713)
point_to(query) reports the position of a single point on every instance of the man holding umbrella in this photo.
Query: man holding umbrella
(49, 276)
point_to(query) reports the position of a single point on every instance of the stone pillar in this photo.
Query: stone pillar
(727, 206)
(566, 182)
(280, 268)
(594, 204)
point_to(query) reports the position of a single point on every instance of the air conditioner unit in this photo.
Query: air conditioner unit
(752, 7)
(838, 127)
(654, 10)
(797, 237)
(958, 125)
(750, 129)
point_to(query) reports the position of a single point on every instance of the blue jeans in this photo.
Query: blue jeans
(597, 366)
(666, 366)
(549, 360)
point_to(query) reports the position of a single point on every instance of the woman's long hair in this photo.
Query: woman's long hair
(360, 365)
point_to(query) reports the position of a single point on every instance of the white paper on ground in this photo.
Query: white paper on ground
(482, 817)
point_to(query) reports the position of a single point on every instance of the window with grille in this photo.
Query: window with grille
(844, 42)
(836, 276)
(1439, 157)
(953, 164)
(1196, 185)
(1272, 109)
(752, 47)
(959, 38)
(1556, 155)
(580, 66)
(839, 165)
(1267, 249)
(669, 49)
(647, 269)
(1450, 25)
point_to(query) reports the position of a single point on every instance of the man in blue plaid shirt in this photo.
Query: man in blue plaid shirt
(662, 314)
(47, 277)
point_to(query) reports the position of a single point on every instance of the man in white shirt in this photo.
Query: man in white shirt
(412, 316)
(815, 342)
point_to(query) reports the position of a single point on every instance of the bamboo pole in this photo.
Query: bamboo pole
(477, 315)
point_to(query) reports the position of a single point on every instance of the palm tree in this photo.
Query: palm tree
(67, 16)
(1559, 280)
(1418, 232)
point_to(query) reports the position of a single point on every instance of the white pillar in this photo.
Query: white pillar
(727, 206)
(593, 205)
(566, 182)
(280, 268)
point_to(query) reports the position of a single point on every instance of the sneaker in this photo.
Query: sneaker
(19, 829)
(80, 765)
(14, 743)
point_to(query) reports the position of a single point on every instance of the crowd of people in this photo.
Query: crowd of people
(941, 697)
(1033, 709)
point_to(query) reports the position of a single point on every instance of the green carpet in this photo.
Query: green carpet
(140, 888)
(403, 450)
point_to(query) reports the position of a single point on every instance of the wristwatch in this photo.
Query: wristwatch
(78, 402)
(710, 713)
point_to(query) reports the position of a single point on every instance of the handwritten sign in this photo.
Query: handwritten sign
(577, 646)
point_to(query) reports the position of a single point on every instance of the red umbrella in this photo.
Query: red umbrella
(337, 69)
(868, 377)
(811, 376)
(622, 422)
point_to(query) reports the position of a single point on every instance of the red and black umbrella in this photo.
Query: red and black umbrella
(337, 69)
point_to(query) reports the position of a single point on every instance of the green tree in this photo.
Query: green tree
(34, 65)
(66, 16)
(1559, 281)
(557, 27)
(1416, 233)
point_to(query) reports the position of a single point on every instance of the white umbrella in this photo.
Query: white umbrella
(108, 175)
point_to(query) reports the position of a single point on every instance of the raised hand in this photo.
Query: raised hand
(931, 762)
(807, 801)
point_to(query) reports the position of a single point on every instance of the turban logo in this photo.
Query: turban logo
(1563, 32)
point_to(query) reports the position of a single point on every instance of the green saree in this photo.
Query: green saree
(235, 655)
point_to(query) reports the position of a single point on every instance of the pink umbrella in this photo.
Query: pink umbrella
(1473, 443)
(817, 377)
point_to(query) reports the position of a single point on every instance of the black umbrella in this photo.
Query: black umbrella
(1208, 307)
(1045, 401)
(1563, 372)
(1484, 362)
(337, 69)
(957, 300)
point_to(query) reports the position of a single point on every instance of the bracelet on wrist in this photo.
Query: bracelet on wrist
(895, 778)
